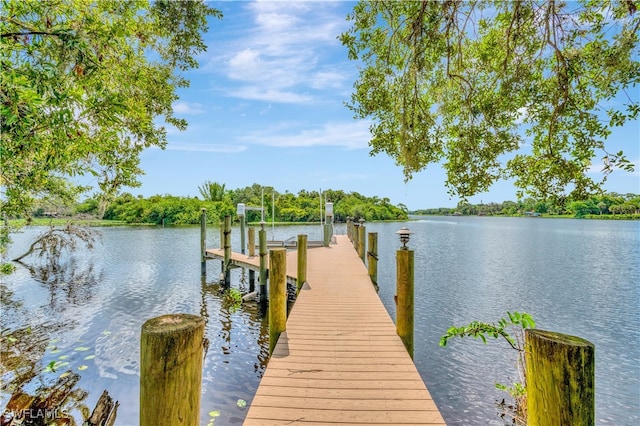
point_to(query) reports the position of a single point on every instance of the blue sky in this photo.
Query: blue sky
(266, 106)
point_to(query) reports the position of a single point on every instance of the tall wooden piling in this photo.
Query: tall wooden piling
(277, 294)
(262, 237)
(302, 261)
(252, 253)
(404, 297)
(560, 379)
(372, 257)
(362, 241)
(203, 241)
(356, 234)
(227, 251)
(171, 353)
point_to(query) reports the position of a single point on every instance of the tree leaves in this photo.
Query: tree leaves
(468, 83)
(84, 86)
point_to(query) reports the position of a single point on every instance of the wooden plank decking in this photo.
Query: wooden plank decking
(340, 360)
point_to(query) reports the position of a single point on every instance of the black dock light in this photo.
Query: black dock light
(404, 234)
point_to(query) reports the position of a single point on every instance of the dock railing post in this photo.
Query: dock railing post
(372, 258)
(404, 291)
(362, 240)
(203, 241)
(252, 253)
(328, 224)
(560, 378)
(171, 353)
(262, 237)
(227, 251)
(277, 294)
(302, 261)
(349, 229)
(354, 231)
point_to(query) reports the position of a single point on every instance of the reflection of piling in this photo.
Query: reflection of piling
(203, 239)
(277, 294)
(262, 237)
(227, 251)
(252, 253)
(560, 379)
(302, 261)
(171, 353)
(372, 258)
(404, 297)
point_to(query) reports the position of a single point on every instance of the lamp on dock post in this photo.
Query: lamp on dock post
(404, 291)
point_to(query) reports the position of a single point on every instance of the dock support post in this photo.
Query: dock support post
(171, 353)
(222, 246)
(354, 231)
(404, 291)
(277, 294)
(560, 378)
(227, 251)
(372, 258)
(302, 261)
(203, 241)
(242, 237)
(362, 242)
(262, 237)
(252, 253)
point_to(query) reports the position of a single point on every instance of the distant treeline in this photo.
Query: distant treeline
(610, 204)
(281, 207)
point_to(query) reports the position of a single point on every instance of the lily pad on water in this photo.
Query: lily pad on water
(89, 357)
(214, 413)
(82, 367)
(241, 403)
(82, 348)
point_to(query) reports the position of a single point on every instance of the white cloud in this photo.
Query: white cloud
(187, 108)
(349, 135)
(200, 147)
(283, 52)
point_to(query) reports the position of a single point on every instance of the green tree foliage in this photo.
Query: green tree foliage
(458, 83)
(212, 191)
(85, 87)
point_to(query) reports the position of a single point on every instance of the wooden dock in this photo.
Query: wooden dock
(340, 360)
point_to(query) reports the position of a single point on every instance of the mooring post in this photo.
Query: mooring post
(302, 261)
(262, 237)
(362, 240)
(328, 224)
(203, 241)
(560, 377)
(171, 353)
(404, 291)
(349, 229)
(252, 253)
(222, 244)
(240, 211)
(372, 258)
(277, 294)
(227, 251)
(354, 231)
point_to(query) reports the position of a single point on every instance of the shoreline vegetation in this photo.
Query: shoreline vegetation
(304, 208)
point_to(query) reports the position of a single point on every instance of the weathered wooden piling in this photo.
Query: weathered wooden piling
(560, 379)
(404, 292)
(203, 241)
(302, 261)
(252, 253)
(362, 240)
(372, 257)
(355, 235)
(171, 353)
(227, 251)
(277, 294)
(262, 237)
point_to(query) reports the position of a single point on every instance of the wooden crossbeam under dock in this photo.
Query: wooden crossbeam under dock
(340, 360)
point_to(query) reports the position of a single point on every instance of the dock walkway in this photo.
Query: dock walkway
(340, 360)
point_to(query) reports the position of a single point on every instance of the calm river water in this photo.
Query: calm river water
(580, 277)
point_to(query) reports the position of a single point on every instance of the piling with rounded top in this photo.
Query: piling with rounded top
(372, 257)
(171, 353)
(203, 238)
(302, 261)
(560, 379)
(362, 242)
(404, 297)
(262, 237)
(227, 251)
(277, 294)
